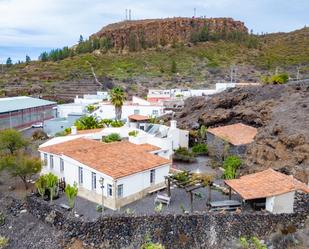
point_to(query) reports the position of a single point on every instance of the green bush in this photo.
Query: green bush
(3, 242)
(200, 149)
(133, 133)
(117, 123)
(275, 79)
(184, 155)
(113, 137)
(230, 165)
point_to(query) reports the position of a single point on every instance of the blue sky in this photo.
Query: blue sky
(32, 26)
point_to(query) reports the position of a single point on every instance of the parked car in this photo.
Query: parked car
(37, 125)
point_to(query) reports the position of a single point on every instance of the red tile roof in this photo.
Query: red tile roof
(236, 134)
(138, 117)
(117, 159)
(264, 184)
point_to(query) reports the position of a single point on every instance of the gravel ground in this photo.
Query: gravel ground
(26, 232)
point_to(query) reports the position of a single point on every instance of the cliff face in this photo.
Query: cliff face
(280, 112)
(149, 33)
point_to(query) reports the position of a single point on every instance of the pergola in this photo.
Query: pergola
(189, 183)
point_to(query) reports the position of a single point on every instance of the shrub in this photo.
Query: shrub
(275, 79)
(117, 123)
(3, 242)
(230, 165)
(39, 135)
(91, 108)
(184, 155)
(133, 133)
(2, 219)
(113, 137)
(41, 185)
(71, 193)
(200, 149)
(52, 185)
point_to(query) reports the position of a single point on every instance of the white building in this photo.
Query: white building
(157, 95)
(276, 189)
(92, 98)
(137, 106)
(128, 171)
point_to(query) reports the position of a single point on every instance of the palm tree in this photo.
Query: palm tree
(117, 99)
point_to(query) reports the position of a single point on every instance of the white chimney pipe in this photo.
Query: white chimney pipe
(173, 124)
(73, 130)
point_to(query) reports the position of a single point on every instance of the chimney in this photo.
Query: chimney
(73, 130)
(173, 124)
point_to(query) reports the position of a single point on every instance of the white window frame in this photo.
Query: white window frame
(109, 190)
(51, 161)
(80, 175)
(45, 160)
(61, 165)
(152, 176)
(120, 190)
(93, 180)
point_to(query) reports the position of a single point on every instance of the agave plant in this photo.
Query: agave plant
(41, 185)
(71, 193)
(52, 185)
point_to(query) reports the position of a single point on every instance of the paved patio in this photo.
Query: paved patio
(180, 201)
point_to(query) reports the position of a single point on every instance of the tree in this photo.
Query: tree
(11, 141)
(9, 62)
(22, 166)
(52, 185)
(230, 165)
(71, 193)
(28, 59)
(43, 56)
(117, 99)
(81, 39)
(87, 122)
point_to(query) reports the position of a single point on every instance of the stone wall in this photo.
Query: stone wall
(220, 148)
(202, 230)
(164, 31)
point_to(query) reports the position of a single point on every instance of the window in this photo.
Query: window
(61, 165)
(155, 112)
(136, 111)
(94, 180)
(51, 161)
(80, 175)
(45, 159)
(109, 190)
(152, 176)
(120, 190)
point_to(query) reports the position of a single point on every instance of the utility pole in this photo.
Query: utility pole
(129, 14)
(194, 12)
(126, 14)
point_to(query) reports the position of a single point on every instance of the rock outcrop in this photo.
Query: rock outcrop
(152, 32)
(281, 114)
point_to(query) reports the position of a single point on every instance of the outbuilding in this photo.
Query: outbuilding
(230, 139)
(21, 112)
(122, 172)
(274, 190)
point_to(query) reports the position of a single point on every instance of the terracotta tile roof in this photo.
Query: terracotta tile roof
(149, 147)
(116, 159)
(80, 132)
(138, 117)
(236, 134)
(264, 184)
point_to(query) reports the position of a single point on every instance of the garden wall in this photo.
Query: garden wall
(207, 230)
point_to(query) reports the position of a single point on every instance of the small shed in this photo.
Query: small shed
(230, 139)
(138, 121)
(275, 188)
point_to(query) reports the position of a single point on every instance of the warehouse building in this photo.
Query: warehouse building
(21, 112)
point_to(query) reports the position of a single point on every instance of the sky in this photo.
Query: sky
(32, 26)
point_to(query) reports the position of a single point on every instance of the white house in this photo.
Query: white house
(128, 171)
(92, 98)
(140, 106)
(276, 189)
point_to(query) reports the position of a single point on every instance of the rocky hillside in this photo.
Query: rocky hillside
(150, 33)
(281, 114)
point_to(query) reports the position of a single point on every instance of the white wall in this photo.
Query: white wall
(280, 203)
(131, 184)
(107, 111)
(65, 109)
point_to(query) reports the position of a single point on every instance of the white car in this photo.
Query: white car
(37, 125)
